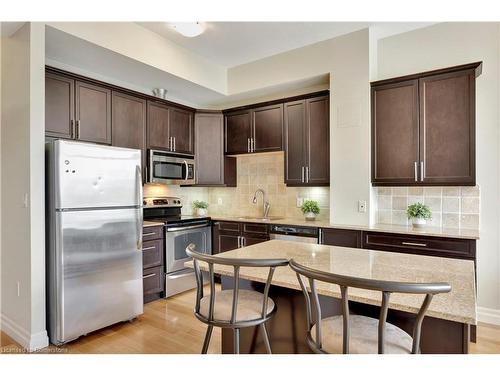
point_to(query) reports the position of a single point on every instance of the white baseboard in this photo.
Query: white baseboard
(489, 316)
(30, 342)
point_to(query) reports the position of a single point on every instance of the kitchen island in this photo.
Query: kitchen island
(445, 328)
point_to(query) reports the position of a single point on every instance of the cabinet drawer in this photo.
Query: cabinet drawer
(229, 226)
(152, 253)
(153, 280)
(424, 245)
(152, 233)
(341, 237)
(252, 228)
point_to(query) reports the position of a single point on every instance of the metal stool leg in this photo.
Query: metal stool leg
(208, 335)
(266, 338)
(236, 341)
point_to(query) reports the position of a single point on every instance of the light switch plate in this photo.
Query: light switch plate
(219, 201)
(361, 206)
(300, 201)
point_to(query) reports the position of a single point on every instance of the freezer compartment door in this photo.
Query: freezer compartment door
(89, 175)
(99, 279)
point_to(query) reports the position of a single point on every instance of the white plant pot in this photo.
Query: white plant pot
(418, 222)
(201, 212)
(310, 216)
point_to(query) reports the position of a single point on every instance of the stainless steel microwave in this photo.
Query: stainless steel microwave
(165, 168)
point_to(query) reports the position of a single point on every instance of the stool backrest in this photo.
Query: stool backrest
(236, 264)
(345, 282)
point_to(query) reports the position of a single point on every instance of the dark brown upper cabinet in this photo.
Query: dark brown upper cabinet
(395, 132)
(267, 128)
(423, 128)
(181, 130)
(307, 142)
(59, 106)
(77, 110)
(255, 130)
(129, 123)
(93, 113)
(213, 168)
(238, 132)
(170, 128)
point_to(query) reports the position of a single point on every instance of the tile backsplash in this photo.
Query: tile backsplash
(452, 207)
(256, 171)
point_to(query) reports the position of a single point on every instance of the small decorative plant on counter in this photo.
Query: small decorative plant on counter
(419, 213)
(310, 209)
(200, 207)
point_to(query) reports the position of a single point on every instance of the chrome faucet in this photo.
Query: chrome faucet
(266, 206)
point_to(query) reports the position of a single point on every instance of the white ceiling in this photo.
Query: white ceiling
(234, 43)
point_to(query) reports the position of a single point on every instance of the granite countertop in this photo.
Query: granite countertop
(147, 223)
(387, 228)
(459, 305)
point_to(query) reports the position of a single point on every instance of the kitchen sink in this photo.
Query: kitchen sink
(269, 218)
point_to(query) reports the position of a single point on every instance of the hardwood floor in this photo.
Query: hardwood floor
(169, 327)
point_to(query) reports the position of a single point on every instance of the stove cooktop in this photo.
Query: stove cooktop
(167, 210)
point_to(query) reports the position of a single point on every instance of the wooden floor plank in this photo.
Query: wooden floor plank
(169, 327)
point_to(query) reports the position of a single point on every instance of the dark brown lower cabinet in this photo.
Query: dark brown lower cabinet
(340, 237)
(153, 248)
(230, 235)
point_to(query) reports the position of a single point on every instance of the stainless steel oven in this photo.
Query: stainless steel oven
(165, 168)
(177, 237)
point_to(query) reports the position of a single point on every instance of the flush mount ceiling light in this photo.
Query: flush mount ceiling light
(189, 29)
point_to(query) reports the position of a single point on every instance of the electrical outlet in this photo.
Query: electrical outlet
(219, 201)
(361, 206)
(300, 201)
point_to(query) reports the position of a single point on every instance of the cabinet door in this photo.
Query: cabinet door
(157, 128)
(129, 123)
(212, 167)
(181, 130)
(447, 129)
(227, 242)
(93, 113)
(318, 141)
(59, 106)
(295, 142)
(248, 240)
(238, 131)
(268, 128)
(341, 237)
(395, 133)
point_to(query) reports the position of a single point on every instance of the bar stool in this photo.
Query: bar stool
(357, 333)
(233, 308)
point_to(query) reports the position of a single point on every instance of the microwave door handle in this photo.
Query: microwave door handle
(187, 170)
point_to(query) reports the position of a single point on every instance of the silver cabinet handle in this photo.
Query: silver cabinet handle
(302, 178)
(171, 143)
(320, 239)
(148, 276)
(416, 172)
(307, 174)
(72, 130)
(149, 248)
(421, 171)
(252, 145)
(175, 148)
(248, 144)
(77, 129)
(414, 244)
(149, 234)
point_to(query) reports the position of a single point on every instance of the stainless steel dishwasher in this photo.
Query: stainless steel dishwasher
(294, 233)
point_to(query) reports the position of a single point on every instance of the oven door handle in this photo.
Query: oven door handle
(176, 229)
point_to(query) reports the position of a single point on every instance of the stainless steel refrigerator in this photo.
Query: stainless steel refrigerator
(94, 237)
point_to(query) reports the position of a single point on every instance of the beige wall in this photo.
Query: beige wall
(450, 44)
(346, 60)
(22, 199)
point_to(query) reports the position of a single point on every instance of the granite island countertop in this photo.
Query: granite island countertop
(459, 305)
(386, 228)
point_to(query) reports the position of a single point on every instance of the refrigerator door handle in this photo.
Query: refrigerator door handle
(138, 179)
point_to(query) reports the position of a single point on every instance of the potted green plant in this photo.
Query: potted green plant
(310, 209)
(419, 213)
(200, 207)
